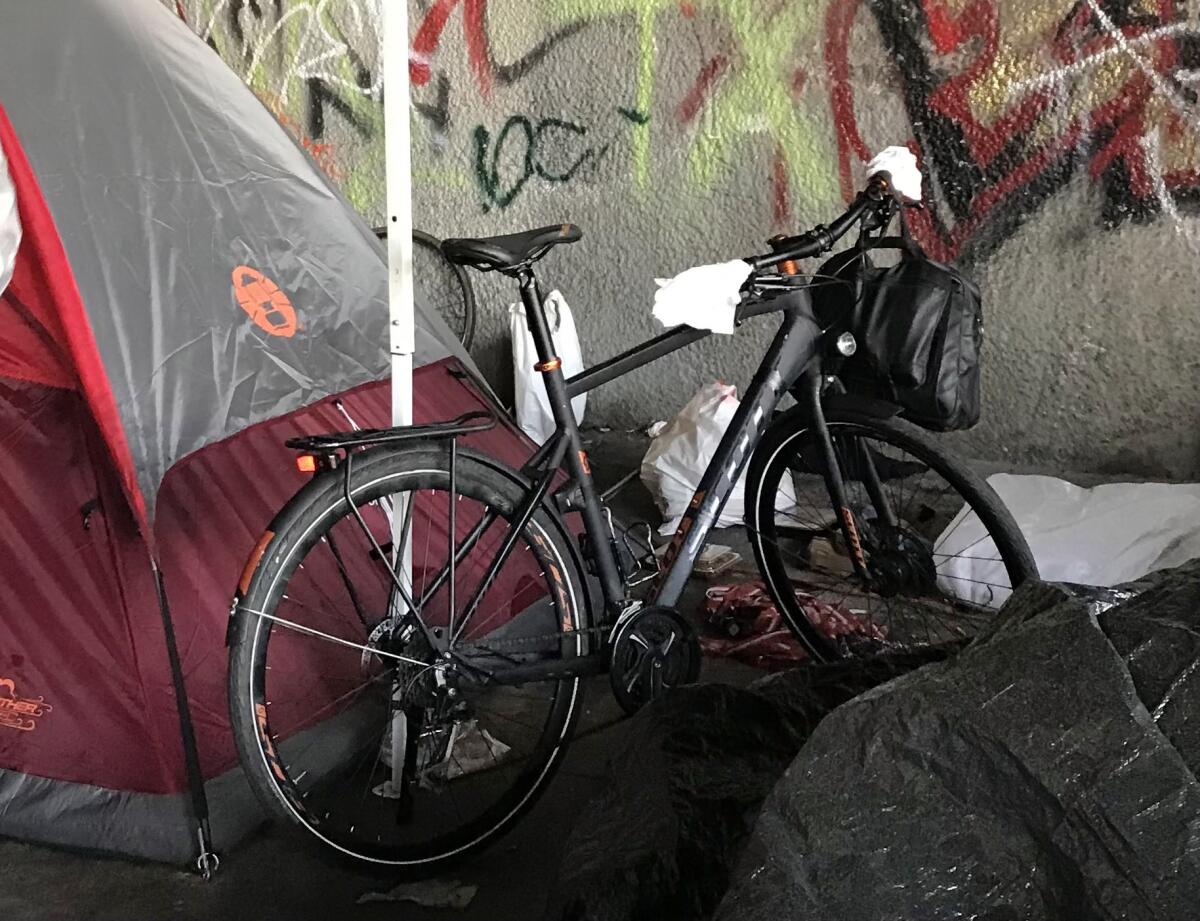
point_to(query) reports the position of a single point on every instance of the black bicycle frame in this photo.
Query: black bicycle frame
(792, 351)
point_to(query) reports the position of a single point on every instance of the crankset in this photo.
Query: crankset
(650, 652)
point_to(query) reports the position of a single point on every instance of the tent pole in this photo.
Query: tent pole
(397, 133)
(398, 165)
(207, 860)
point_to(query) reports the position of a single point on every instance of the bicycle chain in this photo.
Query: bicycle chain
(521, 641)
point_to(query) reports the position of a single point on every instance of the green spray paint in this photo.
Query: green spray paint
(535, 145)
(647, 14)
(758, 100)
(755, 100)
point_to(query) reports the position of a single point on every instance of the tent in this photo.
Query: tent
(189, 292)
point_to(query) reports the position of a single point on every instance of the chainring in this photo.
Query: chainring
(653, 651)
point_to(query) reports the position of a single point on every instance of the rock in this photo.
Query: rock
(1047, 772)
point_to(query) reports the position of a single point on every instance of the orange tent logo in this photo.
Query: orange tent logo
(264, 302)
(19, 713)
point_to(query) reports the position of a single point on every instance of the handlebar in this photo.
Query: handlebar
(821, 239)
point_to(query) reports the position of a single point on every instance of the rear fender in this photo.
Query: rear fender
(568, 539)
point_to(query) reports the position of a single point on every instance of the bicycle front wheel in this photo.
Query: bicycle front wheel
(911, 504)
(351, 642)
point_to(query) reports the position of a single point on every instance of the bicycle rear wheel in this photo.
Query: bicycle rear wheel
(346, 724)
(909, 502)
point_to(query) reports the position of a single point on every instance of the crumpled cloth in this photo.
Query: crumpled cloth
(703, 297)
(901, 164)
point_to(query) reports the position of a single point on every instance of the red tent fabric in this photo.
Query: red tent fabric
(45, 330)
(144, 402)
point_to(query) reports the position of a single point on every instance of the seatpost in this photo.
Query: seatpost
(550, 367)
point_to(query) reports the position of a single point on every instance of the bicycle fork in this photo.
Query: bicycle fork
(831, 472)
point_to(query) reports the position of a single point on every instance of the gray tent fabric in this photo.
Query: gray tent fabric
(226, 279)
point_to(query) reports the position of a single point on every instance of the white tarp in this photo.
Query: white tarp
(1105, 535)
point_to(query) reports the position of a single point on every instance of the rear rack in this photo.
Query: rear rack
(466, 424)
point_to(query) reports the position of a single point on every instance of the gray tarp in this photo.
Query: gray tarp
(165, 175)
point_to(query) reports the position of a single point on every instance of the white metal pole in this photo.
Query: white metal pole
(397, 133)
(401, 311)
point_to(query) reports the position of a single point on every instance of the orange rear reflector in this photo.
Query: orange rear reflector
(306, 463)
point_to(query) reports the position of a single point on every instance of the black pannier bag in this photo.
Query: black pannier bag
(919, 329)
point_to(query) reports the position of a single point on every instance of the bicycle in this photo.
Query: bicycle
(414, 717)
(442, 285)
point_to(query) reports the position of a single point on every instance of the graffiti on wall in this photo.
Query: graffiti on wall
(1009, 102)
(1004, 101)
(317, 64)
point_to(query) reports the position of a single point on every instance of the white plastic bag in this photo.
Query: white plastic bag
(1103, 536)
(680, 454)
(901, 165)
(533, 405)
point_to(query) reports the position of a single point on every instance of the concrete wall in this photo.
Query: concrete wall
(1059, 138)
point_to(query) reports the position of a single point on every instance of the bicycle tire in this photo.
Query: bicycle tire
(461, 317)
(301, 525)
(778, 449)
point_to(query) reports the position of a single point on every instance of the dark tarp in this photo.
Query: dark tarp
(1046, 773)
(1049, 772)
(662, 835)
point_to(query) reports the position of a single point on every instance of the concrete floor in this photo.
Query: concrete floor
(275, 876)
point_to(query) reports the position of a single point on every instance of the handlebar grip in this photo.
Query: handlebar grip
(879, 184)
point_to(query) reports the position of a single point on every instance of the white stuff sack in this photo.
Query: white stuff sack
(1106, 535)
(682, 451)
(533, 404)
